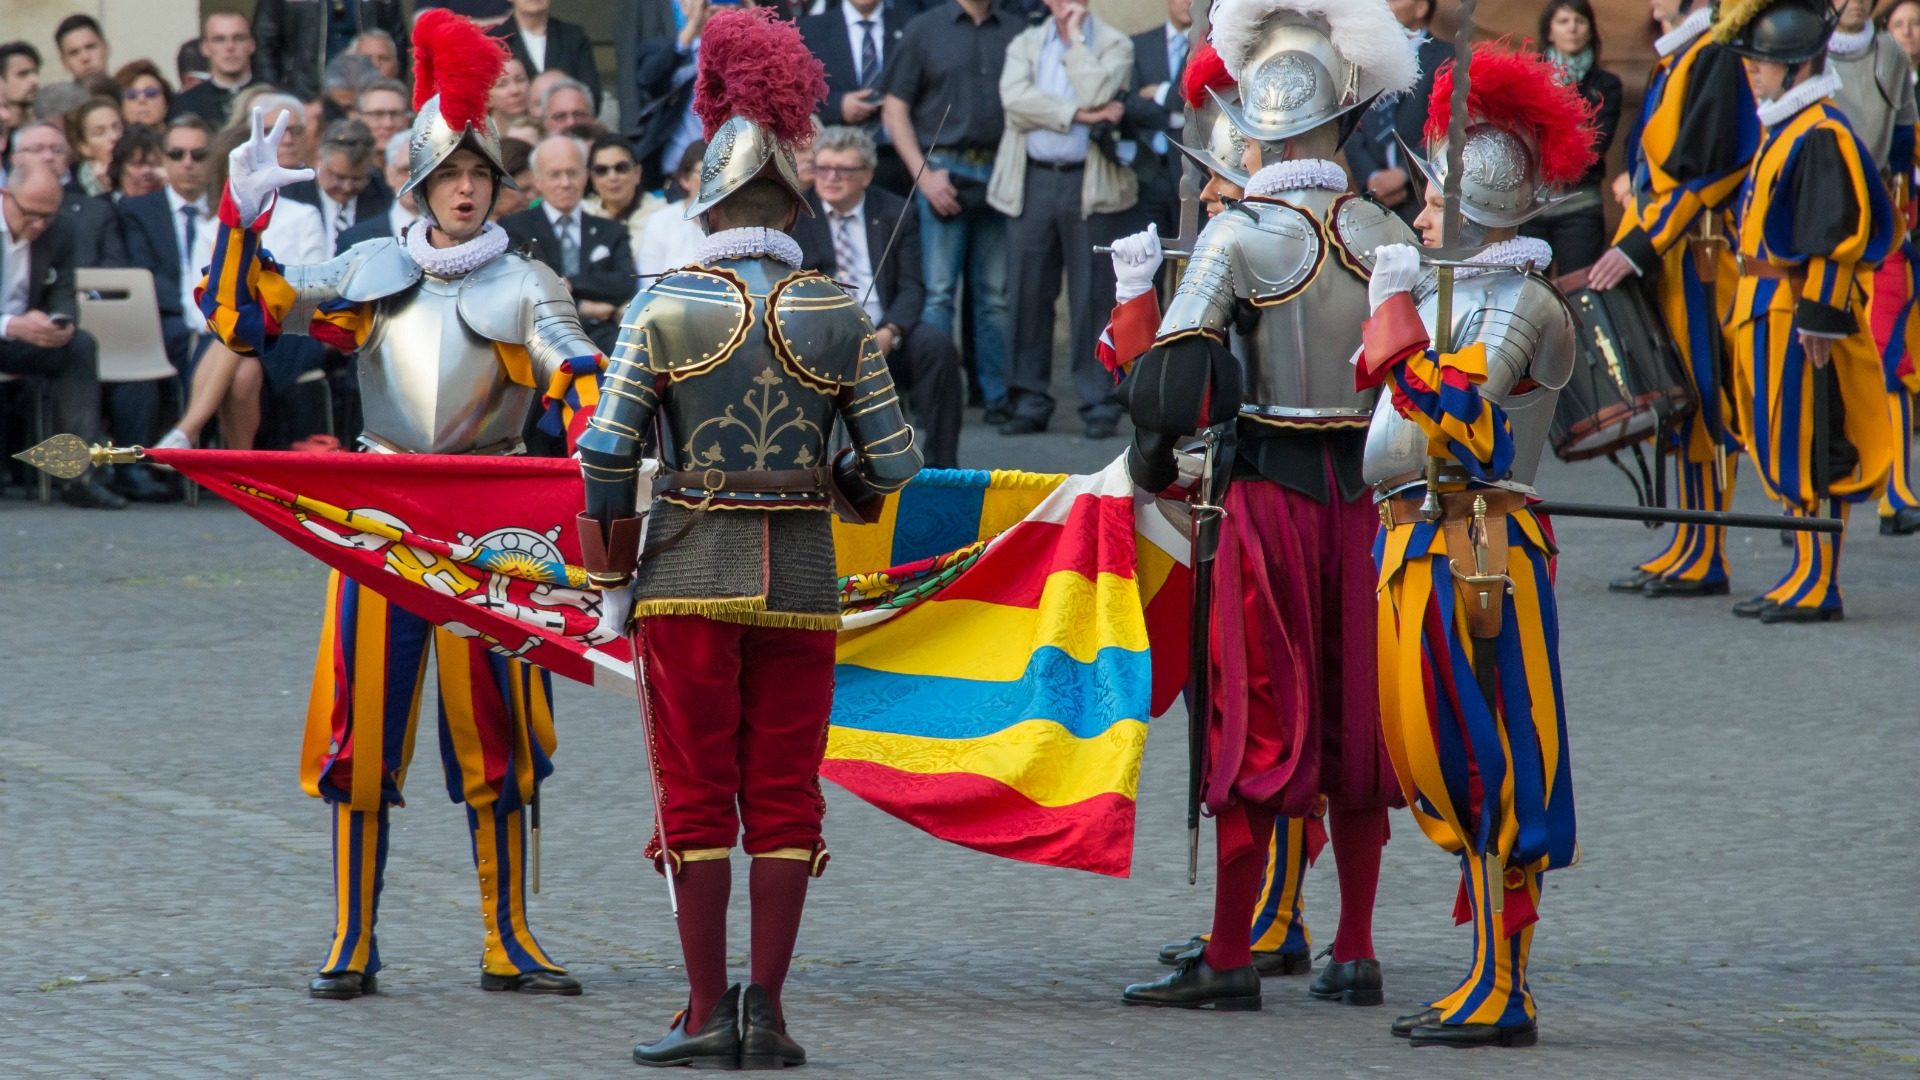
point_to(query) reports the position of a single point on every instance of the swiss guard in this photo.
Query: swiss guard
(1814, 222)
(457, 339)
(1294, 716)
(1470, 693)
(733, 371)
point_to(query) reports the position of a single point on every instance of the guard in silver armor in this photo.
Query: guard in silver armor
(1473, 354)
(1294, 715)
(732, 371)
(457, 340)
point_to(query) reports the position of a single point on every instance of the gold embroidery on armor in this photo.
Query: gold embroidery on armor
(876, 407)
(1319, 258)
(766, 426)
(613, 427)
(779, 304)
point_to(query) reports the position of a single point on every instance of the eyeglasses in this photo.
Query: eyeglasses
(622, 168)
(178, 154)
(384, 114)
(141, 93)
(835, 172)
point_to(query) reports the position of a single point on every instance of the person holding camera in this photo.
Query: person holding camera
(1060, 183)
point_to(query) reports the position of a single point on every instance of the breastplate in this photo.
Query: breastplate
(429, 384)
(1529, 341)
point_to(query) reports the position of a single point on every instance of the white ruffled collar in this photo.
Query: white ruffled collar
(749, 243)
(460, 259)
(1698, 22)
(1793, 102)
(1304, 174)
(1507, 254)
(1843, 44)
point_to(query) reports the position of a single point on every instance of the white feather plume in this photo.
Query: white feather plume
(1364, 31)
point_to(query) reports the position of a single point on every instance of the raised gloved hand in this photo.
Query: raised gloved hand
(1136, 259)
(616, 609)
(253, 169)
(1396, 269)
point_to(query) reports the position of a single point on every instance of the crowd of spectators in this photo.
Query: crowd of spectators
(971, 154)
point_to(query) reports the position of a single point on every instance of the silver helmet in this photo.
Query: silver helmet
(1221, 147)
(1500, 184)
(434, 140)
(740, 151)
(1304, 63)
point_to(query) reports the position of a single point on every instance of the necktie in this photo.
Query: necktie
(845, 257)
(869, 56)
(569, 248)
(1176, 66)
(189, 217)
(342, 219)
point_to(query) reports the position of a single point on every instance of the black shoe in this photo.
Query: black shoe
(1296, 962)
(1175, 951)
(342, 986)
(1793, 613)
(1356, 982)
(1666, 586)
(1752, 609)
(997, 414)
(1101, 427)
(1476, 1035)
(137, 482)
(1194, 985)
(1786, 538)
(764, 1042)
(90, 494)
(533, 982)
(1902, 522)
(717, 1046)
(1633, 582)
(1023, 425)
(1404, 1026)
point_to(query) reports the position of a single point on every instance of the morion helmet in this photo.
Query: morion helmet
(1787, 32)
(455, 64)
(1205, 85)
(755, 97)
(1527, 136)
(1304, 63)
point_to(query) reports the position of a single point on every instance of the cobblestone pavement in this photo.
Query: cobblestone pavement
(1746, 906)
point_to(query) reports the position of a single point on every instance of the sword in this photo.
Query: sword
(1204, 535)
(874, 278)
(636, 638)
(533, 816)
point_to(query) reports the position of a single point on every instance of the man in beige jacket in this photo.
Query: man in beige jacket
(1056, 179)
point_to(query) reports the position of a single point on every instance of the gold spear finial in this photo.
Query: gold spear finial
(67, 456)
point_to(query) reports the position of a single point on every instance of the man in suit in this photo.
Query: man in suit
(347, 190)
(1373, 152)
(591, 254)
(96, 230)
(403, 211)
(846, 239)
(1155, 113)
(637, 25)
(542, 43)
(38, 310)
(160, 228)
(226, 41)
(298, 37)
(851, 39)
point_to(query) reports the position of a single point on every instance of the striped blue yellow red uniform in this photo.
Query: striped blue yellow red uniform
(495, 713)
(1813, 209)
(1698, 133)
(1450, 746)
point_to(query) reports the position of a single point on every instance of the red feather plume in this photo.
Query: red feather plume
(1517, 91)
(756, 65)
(457, 60)
(1205, 71)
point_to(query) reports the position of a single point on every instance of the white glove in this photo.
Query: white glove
(1396, 269)
(1136, 259)
(253, 169)
(616, 608)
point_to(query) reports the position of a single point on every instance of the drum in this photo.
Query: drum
(1627, 379)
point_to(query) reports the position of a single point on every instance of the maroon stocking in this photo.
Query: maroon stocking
(1236, 888)
(1358, 836)
(703, 890)
(778, 890)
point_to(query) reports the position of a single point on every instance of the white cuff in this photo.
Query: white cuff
(1124, 291)
(5, 320)
(1160, 95)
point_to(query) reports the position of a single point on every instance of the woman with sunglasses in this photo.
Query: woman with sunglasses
(145, 97)
(93, 129)
(613, 185)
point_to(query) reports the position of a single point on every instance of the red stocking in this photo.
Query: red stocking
(1358, 836)
(778, 890)
(1236, 887)
(703, 888)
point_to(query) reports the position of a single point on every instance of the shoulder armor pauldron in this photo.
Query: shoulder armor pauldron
(500, 300)
(694, 318)
(1361, 226)
(374, 270)
(817, 330)
(1277, 250)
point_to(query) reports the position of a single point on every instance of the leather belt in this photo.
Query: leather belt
(1058, 166)
(1474, 523)
(971, 155)
(749, 481)
(1768, 271)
